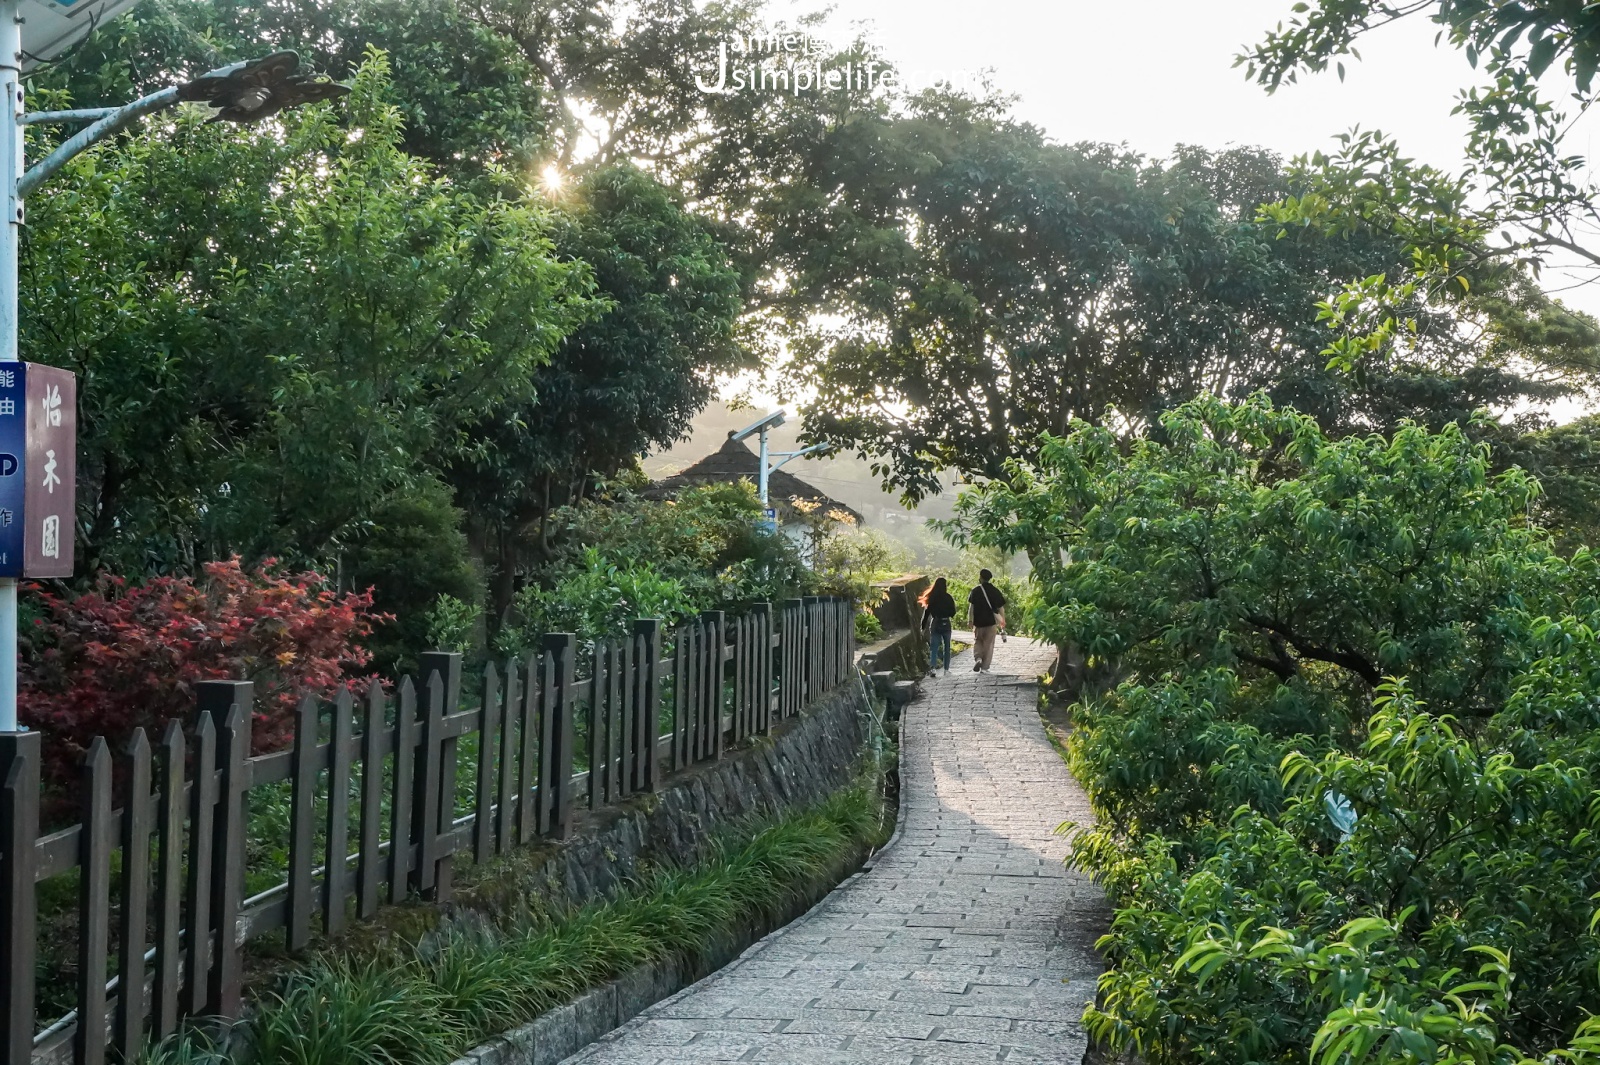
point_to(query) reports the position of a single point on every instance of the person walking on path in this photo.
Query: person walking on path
(938, 617)
(987, 609)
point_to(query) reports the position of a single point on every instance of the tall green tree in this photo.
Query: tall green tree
(1520, 170)
(1338, 734)
(469, 99)
(490, 93)
(1522, 197)
(629, 380)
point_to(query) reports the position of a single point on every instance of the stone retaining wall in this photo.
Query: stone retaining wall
(899, 609)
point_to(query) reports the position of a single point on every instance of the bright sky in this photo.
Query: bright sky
(1155, 73)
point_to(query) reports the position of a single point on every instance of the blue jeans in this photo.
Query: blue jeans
(939, 636)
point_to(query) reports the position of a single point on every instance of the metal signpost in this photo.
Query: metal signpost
(38, 404)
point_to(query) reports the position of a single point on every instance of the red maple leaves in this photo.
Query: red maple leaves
(125, 656)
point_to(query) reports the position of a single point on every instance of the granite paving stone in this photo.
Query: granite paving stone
(967, 940)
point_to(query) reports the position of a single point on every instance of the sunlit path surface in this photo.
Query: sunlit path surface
(967, 941)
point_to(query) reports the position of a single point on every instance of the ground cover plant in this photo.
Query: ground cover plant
(1337, 723)
(473, 976)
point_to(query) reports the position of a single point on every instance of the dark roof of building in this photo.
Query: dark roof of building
(733, 462)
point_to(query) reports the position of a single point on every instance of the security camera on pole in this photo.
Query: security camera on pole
(772, 421)
(38, 403)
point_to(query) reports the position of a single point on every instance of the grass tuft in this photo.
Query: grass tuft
(368, 1014)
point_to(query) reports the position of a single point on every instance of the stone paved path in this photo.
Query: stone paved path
(966, 941)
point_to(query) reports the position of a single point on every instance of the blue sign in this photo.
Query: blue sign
(13, 483)
(769, 520)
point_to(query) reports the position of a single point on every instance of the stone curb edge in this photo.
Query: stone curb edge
(556, 1035)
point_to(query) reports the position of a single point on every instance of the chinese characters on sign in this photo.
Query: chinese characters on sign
(50, 470)
(38, 470)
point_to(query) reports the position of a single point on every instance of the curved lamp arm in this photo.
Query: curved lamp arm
(118, 119)
(789, 455)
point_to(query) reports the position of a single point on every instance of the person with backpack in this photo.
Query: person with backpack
(986, 608)
(938, 617)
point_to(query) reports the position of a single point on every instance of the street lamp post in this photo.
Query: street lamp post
(766, 467)
(11, 168)
(244, 92)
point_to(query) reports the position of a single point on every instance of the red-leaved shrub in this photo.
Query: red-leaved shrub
(125, 656)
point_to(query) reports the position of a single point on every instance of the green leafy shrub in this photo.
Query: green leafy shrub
(1307, 854)
(850, 560)
(450, 624)
(623, 556)
(412, 555)
(868, 627)
(595, 599)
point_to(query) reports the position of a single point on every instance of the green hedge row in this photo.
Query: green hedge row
(1340, 726)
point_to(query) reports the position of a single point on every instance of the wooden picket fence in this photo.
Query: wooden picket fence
(180, 848)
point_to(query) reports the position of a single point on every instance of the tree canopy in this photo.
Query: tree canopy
(1522, 198)
(1518, 160)
(358, 333)
(339, 341)
(274, 332)
(988, 285)
(628, 380)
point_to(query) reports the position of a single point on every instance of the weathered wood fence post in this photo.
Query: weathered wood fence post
(528, 815)
(716, 681)
(647, 727)
(789, 657)
(599, 721)
(555, 760)
(181, 829)
(95, 844)
(811, 653)
(489, 716)
(441, 701)
(229, 704)
(764, 677)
